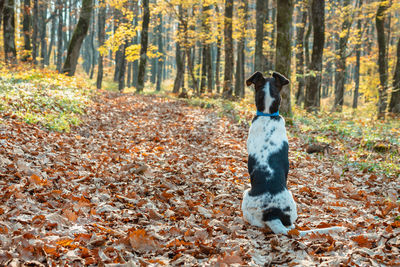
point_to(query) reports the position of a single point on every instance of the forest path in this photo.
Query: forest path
(152, 180)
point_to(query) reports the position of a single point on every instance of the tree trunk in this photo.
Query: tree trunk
(10, 51)
(260, 20)
(284, 50)
(358, 56)
(77, 38)
(239, 82)
(122, 68)
(394, 105)
(300, 55)
(161, 59)
(101, 37)
(312, 96)
(143, 46)
(35, 25)
(228, 49)
(42, 30)
(341, 58)
(26, 29)
(52, 39)
(382, 60)
(1, 10)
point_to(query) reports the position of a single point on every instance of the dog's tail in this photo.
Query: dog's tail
(323, 230)
(277, 227)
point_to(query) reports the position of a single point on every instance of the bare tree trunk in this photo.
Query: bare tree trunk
(358, 56)
(382, 60)
(312, 96)
(42, 30)
(60, 6)
(52, 39)
(239, 82)
(121, 77)
(35, 31)
(228, 49)
(143, 46)
(77, 38)
(161, 59)
(341, 58)
(284, 49)
(101, 37)
(1, 10)
(26, 28)
(394, 105)
(10, 51)
(260, 20)
(300, 55)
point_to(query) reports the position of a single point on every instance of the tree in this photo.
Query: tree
(341, 57)
(143, 45)
(77, 38)
(284, 49)
(10, 51)
(358, 59)
(300, 29)
(312, 96)
(101, 37)
(228, 49)
(394, 105)
(26, 27)
(382, 60)
(239, 81)
(261, 14)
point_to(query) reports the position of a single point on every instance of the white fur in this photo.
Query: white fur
(267, 98)
(253, 207)
(266, 136)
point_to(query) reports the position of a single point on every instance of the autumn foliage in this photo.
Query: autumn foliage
(149, 180)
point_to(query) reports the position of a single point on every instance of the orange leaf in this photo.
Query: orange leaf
(65, 242)
(362, 241)
(294, 232)
(141, 241)
(71, 215)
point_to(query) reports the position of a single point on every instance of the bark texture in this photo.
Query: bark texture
(284, 49)
(312, 96)
(143, 45)
(79, 34)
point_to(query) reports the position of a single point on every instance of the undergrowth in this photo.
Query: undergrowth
(43, 96)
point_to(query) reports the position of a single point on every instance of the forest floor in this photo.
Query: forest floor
(152, 180)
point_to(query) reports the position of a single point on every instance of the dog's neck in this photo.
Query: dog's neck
(259, 113)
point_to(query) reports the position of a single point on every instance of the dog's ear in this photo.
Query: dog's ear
(280, 80)
(255, 78)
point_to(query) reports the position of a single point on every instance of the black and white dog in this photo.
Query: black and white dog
(268, 202)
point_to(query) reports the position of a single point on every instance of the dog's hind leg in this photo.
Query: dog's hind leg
(277, 226)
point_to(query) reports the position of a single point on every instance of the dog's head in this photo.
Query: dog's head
(268, 90)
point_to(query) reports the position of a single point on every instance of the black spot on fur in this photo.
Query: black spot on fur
(263, 181)
(276, 213)
(287, 209)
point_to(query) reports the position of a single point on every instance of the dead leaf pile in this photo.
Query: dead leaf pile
(147, 180)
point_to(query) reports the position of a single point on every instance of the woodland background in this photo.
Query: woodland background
(151, 168)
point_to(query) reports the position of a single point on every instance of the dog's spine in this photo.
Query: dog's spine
(322, 230)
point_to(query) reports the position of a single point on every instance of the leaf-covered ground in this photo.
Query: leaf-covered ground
(148, 180)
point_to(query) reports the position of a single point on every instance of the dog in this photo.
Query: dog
(268, 202)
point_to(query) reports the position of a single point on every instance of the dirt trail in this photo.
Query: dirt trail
(149, 180)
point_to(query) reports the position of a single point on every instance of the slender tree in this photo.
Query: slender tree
(101, 37)
(382, 60)
(77, 38)
(228, 49)
(342, 56)
(358, 59)
(261, 12)
(394, 105)
(284, 49)
(239, 81)
(60, 6)
(300, 71)
(26, 29)
(160, 60)
(10, 51)
(143, 45)
(312, 96)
